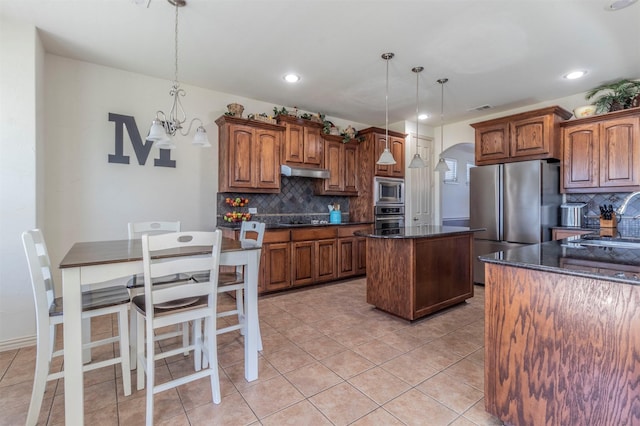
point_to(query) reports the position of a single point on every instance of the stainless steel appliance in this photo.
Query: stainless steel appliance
(572, 214)
(388, 191)
(389, 217)
(517, 203)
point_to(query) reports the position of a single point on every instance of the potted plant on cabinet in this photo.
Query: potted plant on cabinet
(619, 95)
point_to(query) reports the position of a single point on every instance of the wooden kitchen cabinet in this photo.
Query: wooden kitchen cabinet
(341, 159)
(526, 136)
(276, 261)
(249, 155)
(303, 143)
(396, 146)
(352, 253)
(602, 153)
(313, 255)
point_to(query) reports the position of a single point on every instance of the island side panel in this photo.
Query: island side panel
(443, 272)
(390, 275)
(560, 349)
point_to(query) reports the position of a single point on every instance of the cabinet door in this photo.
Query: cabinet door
(361, 256)
(240, 157)
(492, 143)
(294, 144)
(267, 159)
(333, 162)
(346, 257)
(325, 260)
(620, 152)
(397, 149)
(530, 136)
(302, 262)
(313, 146)
(380, 144)
(277, 261)
(580, 156)
(350, 171)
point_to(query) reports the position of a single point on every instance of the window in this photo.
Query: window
(452, 175)
(469, 166)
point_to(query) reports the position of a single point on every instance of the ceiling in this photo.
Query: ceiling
(502, 53)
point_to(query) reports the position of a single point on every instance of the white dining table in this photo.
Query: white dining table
(99, 261)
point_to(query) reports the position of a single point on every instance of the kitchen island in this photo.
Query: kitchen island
(419, 270)
(562, 335)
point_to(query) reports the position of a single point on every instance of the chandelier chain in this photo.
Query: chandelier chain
(175, 79)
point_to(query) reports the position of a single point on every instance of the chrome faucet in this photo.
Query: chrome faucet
(620, 210)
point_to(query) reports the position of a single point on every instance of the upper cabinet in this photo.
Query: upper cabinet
(303, 144)
(396, 147)
(526, 136)
(602, 153)
(341, 159)
(249, 155)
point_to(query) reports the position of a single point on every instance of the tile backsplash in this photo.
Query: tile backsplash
(594, 201)
(296, 202)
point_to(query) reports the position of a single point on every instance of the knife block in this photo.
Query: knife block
(608, 223)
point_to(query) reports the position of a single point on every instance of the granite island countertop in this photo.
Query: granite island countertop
(284, 225)
(420, 231)
(571, 258)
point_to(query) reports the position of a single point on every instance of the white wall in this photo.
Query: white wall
(455, 196)
(20, 85)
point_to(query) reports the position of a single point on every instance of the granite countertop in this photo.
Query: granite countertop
(570, 258)
(293, 225)
(420, 231)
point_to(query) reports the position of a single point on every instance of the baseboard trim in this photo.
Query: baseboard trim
(20, 342)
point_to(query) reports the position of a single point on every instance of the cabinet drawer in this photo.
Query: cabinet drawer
(278, 236)
(347, 231)
(314, 233)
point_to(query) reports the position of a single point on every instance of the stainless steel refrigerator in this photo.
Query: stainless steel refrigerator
(518, 204)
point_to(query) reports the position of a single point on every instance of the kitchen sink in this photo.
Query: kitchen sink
(597, 241)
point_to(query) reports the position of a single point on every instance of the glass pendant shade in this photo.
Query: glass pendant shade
(156, 132)
(165, 143)
(442, 166)
(417, 162)
(200, 138)
(386, 158)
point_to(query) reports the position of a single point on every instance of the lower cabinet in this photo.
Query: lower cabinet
(275, 264)
(313, 255)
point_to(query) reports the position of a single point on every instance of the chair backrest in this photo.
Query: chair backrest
(154, 268)
(137, 229)
(41, 279)
(254, 229)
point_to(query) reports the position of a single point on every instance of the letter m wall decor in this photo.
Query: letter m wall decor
(141, 149)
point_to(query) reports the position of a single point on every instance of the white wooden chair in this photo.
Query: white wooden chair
(251, 233)
(49, 314)
(135, 284)
(189, 301)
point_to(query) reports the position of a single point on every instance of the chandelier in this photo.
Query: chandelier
(417, 162)
(442, 164)
(164, 126)
(386, 157)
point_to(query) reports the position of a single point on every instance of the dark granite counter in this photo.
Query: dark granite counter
(237, 225)
(570, 258)
(420, 231)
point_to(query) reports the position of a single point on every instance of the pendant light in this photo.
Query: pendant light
(442, 165)
(386, 158)
(417, 162)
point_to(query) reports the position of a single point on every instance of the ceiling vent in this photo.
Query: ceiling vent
(481, 108)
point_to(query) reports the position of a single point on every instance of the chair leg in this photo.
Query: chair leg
(140, 350)
(44, 350)
(212, 352)
(150, 370)
(185, 336)
(133, 329)
(197, 342)
(123, 325)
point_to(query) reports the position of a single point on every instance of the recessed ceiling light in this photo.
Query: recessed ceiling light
(614, 5)
(575, 74)
(291, 78)
(423, 116)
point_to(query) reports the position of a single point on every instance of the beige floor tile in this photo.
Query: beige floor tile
(436, 355)
(322, 347)
(459, 344)
(347, 364)
(289, 359)
(302, 413)
(313, 378)
(462, 421)
(352, 337)
(235, 372)
(477, 357)
(377, 418)
(302, 333)
(230, 354)
(402, 340)
(479, 416)
(179, 420)
(379, 385)
(343, 404)
(198, 392)
(468, 372)
(451, 392)
(271, 396)
(414, 407)
(232, 411)
(6, 358)
(409, 368)
(15, 395)
(275, 342)
(165, 405)
(281, 321)
(96, 398)
(377, 351)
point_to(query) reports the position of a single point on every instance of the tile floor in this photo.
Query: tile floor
(329, 359)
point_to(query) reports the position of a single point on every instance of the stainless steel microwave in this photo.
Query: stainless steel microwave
(388, 191)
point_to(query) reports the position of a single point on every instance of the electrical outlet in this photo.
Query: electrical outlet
(253, 210)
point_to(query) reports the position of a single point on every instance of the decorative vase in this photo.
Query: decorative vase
(235, 109)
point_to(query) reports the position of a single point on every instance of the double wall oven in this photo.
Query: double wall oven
(389, 205)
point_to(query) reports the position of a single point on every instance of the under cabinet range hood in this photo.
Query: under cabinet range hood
(304, 172)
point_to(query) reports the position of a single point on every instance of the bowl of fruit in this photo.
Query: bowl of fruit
(236, 217)
(236, 202)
